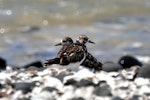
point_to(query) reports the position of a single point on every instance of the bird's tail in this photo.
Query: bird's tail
(52, 61)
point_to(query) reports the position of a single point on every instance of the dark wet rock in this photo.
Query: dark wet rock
(25, 98)
(84, 82)
(129, 61)
(80, 83)
(135, 97)
(2, 64)
(103, 90)
(77, 98)
(24, 86)
(124, 88)
(49, 89)
(1, 86)
(70, 82)
(37, 65)
(117, 98)
(111, 66)
(144, 71)
(101, 82)
(147, 94)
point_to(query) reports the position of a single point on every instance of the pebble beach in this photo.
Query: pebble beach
(30, 29)
(35, 82)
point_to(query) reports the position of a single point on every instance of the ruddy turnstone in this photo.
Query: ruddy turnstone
(90, 61)
(75, 52)
(65, 42)
(71, 52)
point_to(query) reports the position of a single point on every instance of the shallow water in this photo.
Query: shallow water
(30, 28)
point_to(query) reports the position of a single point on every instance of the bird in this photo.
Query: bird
(76, 52)
(71, 52)
(65, 42)
(90, 61)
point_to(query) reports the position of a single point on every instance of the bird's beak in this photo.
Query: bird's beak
(91, 42)
(58, 44)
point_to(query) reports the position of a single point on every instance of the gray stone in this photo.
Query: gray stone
(111, 67)
(103, 90)
(144, 72)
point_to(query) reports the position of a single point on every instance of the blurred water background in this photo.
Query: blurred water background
(30, 28)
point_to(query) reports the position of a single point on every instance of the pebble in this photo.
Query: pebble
(60, 84)
(53, 82)
(141, 81)
(130, 73)
(103, 90)
(80, 83)
(24, 86)
(49, 89)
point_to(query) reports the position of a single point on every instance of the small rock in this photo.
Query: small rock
(103, 90)
(1, 86)
(79, 75)
(136, 97)
(44, 95)
(77, 98)
(53, 82)
(130, 73)
(80, 83)
(70, 82)
(85, 83)
(24, 86)
(2, 64)
(49, 89)
(129, 61)
(141, 81)
(144, 71)
(117, 98)
(144, 89)
(32, 72)
(111, 67)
